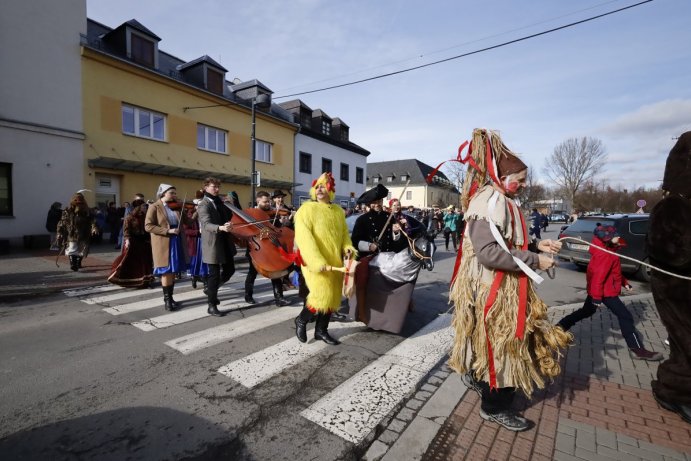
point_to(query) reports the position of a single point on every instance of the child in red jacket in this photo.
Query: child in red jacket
(604, 282)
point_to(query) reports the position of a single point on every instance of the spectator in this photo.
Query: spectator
(52, 220)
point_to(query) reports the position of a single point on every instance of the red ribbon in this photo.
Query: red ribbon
(498, 278)
(458, 158)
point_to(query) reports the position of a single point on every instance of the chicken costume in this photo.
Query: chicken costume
(322, 239)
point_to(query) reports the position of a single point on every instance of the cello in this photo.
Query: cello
(270, 247)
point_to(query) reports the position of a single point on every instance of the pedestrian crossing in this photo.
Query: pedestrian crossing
(351, 411)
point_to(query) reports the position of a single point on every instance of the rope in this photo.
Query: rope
(580, 240)
(411, 244)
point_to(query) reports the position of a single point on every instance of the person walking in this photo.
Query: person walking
(604, 282)
(321, 236)
(75, 229)
(52, 220)
(263, 201)
(535, 224)
(134, 266)
(451, 227)
(167, 247)
(503, 340)
(218, 249)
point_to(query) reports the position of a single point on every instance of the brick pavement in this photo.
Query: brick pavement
(600, 408)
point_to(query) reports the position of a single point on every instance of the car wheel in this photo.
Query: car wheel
(643, 273)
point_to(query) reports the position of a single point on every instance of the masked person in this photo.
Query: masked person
(167, 246)
(75, 229)
(669, 248)
(218, 249)
(604, 283)
(321, 236)
(503, 340)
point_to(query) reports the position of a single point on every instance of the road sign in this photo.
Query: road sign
(641, 203)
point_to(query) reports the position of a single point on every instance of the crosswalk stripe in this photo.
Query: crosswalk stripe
(90, 290)
(128, 293)
(355, 407)
(266, 363)
(188, 314)
(216, 335)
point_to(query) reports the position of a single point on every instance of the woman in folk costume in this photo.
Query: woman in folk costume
(321, 236)
(133, 268)
(504, 341)
(169, 251)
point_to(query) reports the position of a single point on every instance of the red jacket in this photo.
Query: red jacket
(604, 277)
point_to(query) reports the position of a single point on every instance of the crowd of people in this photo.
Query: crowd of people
(503, 341)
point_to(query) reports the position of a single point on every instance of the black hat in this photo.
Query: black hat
(677, 177)
(278, 193)
(376, 193)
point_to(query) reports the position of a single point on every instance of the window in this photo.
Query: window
(345, 172)
(326, 166)
(375, 180)
(306, 120)
(305, 163)
(6, 189)
(344, 133)
(326, 127)
(389, 179)
(143, 123)
(142, 50)
(359, 174)
(214, 81)
(409, 195)
(212, 139)
(639, 227)
(404, 177)
(263, 152)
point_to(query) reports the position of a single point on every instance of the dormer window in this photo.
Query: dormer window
(326, 127)
(405, 177)
(214, 81)
(344, 133)
(142, 50)
(375, 180)
(390, 178)
(306, 120)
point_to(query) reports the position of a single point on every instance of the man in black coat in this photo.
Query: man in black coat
(368, 227)
(669, 247)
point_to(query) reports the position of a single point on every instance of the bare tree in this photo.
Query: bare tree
(574, 162)
(533, 191)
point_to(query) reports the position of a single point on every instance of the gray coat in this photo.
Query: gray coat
(217, 246)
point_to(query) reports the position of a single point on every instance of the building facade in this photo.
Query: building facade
(41, 129)
(323, 144)
(419, 193)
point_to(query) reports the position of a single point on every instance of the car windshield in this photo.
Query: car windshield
(588, 225)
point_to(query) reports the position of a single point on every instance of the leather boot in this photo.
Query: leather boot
(79, 261)
(278, 294)
(301, 322)
(170, 303)
(213, 310)
(73, 263)
(320, 330)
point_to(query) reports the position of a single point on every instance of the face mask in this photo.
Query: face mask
(510, 187)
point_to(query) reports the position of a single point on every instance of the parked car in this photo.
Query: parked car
(633, 228)
(559, 217)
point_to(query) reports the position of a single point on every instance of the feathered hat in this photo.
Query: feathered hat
(488, 160)
(328, 180)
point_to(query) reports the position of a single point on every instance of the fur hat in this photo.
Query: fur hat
(328, 180)
(677, 177)
(163, 188)
(605, 233)
(376, 193)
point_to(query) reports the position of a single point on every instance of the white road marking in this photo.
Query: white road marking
(266, 363)
(354, 408)
(222, 333)
(130, 293)
(90, 290)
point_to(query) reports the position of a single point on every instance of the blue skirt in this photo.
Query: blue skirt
(176, 258)
(198, 268)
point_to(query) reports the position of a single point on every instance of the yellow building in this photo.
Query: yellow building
(151, 118)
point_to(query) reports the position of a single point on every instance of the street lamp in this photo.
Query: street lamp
(263, 101)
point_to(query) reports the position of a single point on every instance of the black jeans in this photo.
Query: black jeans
(496, 401)
(618, 308)
(252, 276)
(216, 278)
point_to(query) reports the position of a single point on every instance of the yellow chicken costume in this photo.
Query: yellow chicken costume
(322, 239)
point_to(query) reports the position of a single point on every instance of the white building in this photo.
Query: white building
(322, 145)
(41, 132)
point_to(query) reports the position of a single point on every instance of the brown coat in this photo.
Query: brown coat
(157, 225)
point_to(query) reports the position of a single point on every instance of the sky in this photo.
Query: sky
(624, 79)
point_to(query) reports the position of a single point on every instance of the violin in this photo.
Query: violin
(177, 205)
(270, 246)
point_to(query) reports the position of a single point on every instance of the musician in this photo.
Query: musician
(169, 252)
(218, 249)
(280, 212)
(263, 200)
(368, 227)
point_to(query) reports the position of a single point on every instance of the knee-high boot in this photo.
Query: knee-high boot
(301, 322)
(279, 300)
(73, 263)
(321, 329)
(170, 303)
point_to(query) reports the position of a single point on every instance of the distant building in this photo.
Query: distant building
(323, 144)
(396, 173)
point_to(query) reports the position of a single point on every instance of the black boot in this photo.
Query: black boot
(170, 303)
(73, 263)
(195, 279)
(248, 297)
(320, 330)
(79, 261)
(213, 310)
(301, 322)
(278, 294)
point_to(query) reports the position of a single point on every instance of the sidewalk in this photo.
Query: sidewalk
(600, 408)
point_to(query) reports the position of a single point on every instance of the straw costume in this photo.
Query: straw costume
(503, 337)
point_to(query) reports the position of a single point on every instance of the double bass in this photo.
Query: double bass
(270, 247)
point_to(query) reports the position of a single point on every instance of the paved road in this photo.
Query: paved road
(106, 373)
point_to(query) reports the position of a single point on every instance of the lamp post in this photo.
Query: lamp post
(263, 101)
